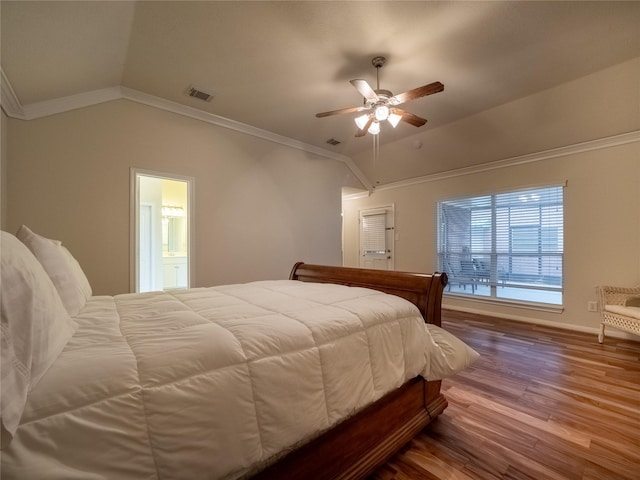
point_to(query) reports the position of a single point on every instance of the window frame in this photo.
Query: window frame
(482, 236)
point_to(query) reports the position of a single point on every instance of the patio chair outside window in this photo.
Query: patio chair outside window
(505, 245)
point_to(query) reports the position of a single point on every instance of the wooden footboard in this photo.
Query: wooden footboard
(356, 447)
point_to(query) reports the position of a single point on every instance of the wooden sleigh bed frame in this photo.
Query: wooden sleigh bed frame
(357, 446)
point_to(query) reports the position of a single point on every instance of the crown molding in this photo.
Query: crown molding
(359, 175)
(357, 195)
(9, 100)
(184, 110)
(591, 145)
(47, 108)
(14, 109)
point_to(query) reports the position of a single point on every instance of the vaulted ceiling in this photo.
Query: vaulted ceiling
(274, 65)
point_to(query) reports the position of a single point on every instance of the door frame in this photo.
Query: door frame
(134, 221)
(148, 208)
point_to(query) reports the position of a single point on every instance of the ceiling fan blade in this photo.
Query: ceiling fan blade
(341, 111)
(363, 132)
(410, 118)
(423, 91)
(365, 89)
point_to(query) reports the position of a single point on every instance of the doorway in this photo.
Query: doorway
(162, 212)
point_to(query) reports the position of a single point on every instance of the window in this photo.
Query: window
(374, 233)
(505, 246)
(377, 238)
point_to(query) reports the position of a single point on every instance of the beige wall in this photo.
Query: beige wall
(602, 200)
(259, 206)
(3, 170)
(600, 105)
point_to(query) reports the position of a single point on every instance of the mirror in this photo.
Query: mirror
(174, 231)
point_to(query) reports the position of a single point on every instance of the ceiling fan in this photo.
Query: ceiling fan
(381, 105)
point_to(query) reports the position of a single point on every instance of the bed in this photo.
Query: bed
(323, 375)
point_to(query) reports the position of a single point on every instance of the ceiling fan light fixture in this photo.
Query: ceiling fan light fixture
(394, 119)
(380, 104)
(362, 120)
(382, 113)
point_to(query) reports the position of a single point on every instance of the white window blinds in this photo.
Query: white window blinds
(374, 235)
(507, 245)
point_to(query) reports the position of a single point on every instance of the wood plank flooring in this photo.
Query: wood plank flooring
(540, 403)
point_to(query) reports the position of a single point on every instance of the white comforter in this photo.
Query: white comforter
(212, 382)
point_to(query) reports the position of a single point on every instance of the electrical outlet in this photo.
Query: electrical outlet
(592, 306)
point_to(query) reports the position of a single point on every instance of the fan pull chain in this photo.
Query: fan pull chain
(376, 148)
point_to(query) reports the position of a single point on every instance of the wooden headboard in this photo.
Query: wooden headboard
(424, 291)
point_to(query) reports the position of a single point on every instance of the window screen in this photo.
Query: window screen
(505, 245)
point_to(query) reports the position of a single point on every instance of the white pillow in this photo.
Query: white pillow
(64, 270)
(448, 354)
(35, 327)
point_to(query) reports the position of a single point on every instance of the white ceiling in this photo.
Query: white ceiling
(273, 65)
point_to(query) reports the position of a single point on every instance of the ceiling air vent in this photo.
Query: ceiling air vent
(199, 93)
(333, 141)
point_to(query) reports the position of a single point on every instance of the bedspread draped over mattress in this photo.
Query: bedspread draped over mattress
(211, 382)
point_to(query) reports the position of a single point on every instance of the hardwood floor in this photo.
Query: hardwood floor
(540, 403)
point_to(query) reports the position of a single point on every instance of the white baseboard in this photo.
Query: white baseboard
(609, 332)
